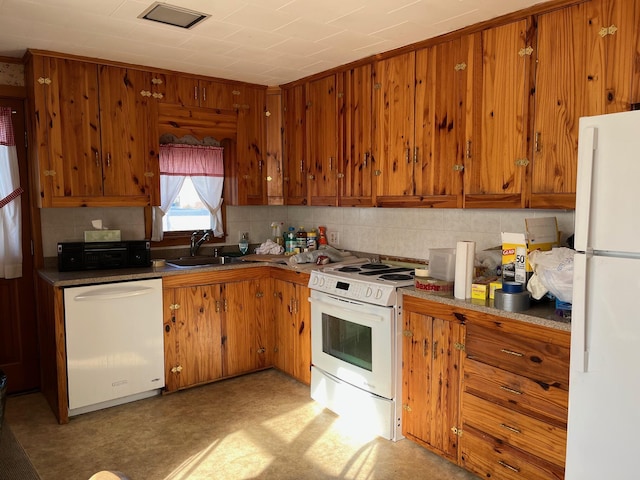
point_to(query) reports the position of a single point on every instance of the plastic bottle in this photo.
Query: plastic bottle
(276, 233)
(302, 239)
(290, 241)
(312, 240)
(322, 239)
(243, 244)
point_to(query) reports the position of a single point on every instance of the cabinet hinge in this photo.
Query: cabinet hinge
(259, 294)
(377, 86)
(406, 407)
(48, 173)
(456, 431)
(149, 174)
(460, 66)
(407, 333)
(458, 168)
(340, 175)
(521, 162)
(44, 81)
(235, 92)
(604, 31)
(340, 94)
(525, 51)
(157, 95)
(377, 173)
(157, 81)
(145, 93)
(174, 306)
(176, 369)
(267, 113)
(459, 346)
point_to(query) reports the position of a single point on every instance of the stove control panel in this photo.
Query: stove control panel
(352, 288)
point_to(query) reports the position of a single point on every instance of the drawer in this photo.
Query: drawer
(518, 430)
(490, 458)
(540, 361)
(543, 401)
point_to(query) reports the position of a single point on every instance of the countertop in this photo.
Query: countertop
(540, 313)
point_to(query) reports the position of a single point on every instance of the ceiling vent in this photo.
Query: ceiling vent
(172, 15)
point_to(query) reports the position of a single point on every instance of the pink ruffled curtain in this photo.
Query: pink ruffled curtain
(205, 166)
(10, 207)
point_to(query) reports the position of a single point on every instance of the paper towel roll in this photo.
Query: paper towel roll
(465, 256)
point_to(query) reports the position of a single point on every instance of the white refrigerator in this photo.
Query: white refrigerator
(604, 385)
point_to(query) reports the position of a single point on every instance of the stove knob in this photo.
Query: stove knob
(315, 280)
(322, 282)
(379, 294)
(368, 292)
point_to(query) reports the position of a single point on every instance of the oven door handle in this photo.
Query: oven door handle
(345, 312)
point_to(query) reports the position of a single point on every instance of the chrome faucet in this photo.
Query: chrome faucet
(195, 242)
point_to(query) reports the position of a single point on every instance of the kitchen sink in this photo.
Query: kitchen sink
(200, 261)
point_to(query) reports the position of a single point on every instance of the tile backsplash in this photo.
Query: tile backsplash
(402, 232)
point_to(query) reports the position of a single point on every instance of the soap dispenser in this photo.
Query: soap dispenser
(244, 244)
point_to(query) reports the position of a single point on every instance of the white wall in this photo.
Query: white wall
(402, 232)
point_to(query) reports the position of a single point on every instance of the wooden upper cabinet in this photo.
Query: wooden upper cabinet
(496, 165)
(295, 168)
(393, 125)
(274, 145)
(355, 110)
(584, 62)
(129, 132)
(190, 91)
(322, 141)
(444, 81)
(95, 134)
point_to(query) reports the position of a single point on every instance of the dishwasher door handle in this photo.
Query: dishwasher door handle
(113, 293)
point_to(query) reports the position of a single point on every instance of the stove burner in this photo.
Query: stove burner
(387, 270)
(395, 276)
(349, 269)
(374, 266)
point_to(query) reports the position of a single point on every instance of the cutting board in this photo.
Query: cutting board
(257, 257)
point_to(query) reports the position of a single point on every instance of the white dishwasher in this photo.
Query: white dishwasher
(114, 341)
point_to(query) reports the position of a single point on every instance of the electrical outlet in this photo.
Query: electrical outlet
(334, 239)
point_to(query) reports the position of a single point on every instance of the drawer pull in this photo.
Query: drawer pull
(510, 390)
(510, 428)
(511, 352)
(510, 467)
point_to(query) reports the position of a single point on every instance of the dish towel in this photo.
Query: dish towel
(270, 248)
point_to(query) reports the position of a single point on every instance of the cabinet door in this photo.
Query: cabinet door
(431, 379)
(73, 163)
(283, 310)
(355, 113)
(322, 137)
(224, 96)
(295, 169)
(393, 117)
(129, 133)
(181, 90)
(244, 304)
(193, 353)
(583, 68)
(444, 75)
(302, 335)
(496, 169)
(250, 152)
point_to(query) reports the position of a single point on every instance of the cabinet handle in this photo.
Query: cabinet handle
(536, 142)
(204, 94)
(435, 350)
(225, 305)
(301, 166)
(365, 159)
(468, 149)
(510, 467)
(259, 294)
(330, 163)
(97, 159)
(217, 306)
(425, 348)
(511, 352)
(108, 159)
(278, 166)
(260, 165)
(510, 390)
(415, 155)
(408, 155)
(510, 428)
(195, 93)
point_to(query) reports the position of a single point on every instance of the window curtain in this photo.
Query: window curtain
(10, 207)
(205, 166)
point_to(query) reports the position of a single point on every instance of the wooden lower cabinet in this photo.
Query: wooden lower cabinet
(292, 319)
(431, 359)
(487, 392)
(215, 326)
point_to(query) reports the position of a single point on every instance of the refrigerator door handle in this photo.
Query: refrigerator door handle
(587, 146)
(579, 351)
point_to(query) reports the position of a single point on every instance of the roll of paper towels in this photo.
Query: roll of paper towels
(465, 256)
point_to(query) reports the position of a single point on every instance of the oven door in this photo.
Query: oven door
(353, 341)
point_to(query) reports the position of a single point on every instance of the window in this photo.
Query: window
(191, 181)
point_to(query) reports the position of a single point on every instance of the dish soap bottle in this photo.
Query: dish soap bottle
(244, 244)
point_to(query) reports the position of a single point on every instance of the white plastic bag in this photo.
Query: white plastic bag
(552, 270)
